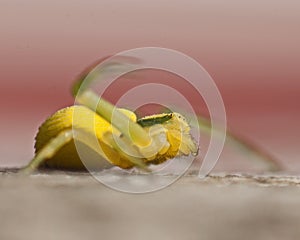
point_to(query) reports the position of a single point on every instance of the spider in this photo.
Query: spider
(124, 140)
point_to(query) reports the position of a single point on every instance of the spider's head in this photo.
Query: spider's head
(179, 135)
(176, 130)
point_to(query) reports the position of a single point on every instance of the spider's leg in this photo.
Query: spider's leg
(133, 131)
(49, 150)
(126, 150)
(84, 95)
(120, 148)
(64, 137)
(56, 143)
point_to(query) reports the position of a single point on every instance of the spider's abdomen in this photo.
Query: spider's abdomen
(88, 122)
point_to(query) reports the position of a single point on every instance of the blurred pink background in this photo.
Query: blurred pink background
(250, 48)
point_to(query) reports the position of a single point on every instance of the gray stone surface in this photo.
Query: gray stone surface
(76, 206)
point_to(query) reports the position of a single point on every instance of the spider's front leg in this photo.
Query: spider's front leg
(135, 134)
(146, 143)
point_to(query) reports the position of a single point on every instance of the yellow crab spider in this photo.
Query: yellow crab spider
(124, 140)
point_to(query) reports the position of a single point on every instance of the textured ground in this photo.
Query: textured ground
(76, 206)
